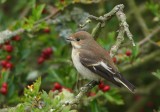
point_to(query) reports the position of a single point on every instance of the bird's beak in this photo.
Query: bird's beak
(70, 39)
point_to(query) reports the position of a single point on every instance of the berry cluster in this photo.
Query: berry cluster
(7, 46)
(127, 53)
(103, 87)
(46, 54)
(59, 87)
(4, 88)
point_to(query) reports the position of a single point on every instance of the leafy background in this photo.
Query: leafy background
(24, 58)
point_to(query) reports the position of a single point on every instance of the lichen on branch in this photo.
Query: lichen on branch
(124, 27)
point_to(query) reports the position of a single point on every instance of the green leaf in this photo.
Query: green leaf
(114, 97)
(135, 51)
(157, 74)
(32, 3)
(94, 106)
(4, 76)
(36, 12)
(37, 85)
(32, 90)
(56, 76)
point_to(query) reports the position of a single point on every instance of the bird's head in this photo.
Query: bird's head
(80, 39)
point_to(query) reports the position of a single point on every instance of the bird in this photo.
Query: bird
(93, 62)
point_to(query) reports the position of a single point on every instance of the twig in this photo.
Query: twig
(7, 34)
(142, 8)
(120, 39)
(124, 27)
(24, 12)
(144, 60)
(155, 31)
(82, 92)
(54, 13)
(96, 30)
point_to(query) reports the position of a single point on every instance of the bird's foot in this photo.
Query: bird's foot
(76, 100)
(73, 103)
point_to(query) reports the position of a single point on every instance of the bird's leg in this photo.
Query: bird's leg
(82, 92)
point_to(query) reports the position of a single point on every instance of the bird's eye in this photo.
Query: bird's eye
(77, 39)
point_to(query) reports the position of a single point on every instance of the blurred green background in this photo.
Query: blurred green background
(43, 51)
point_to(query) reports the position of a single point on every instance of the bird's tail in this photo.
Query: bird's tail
(125, 83)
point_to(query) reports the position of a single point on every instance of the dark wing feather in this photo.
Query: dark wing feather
(92, 64)
(104, 68)
(103, 73)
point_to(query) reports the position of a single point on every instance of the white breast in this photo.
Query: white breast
(86, 73)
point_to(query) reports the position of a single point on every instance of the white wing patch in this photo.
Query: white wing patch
(103, 65)
(107, 67)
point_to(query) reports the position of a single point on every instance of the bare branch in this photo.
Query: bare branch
(155, 31)
(124, 27)
(7, 34)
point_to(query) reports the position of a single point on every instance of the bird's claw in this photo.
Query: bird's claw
(72, 102)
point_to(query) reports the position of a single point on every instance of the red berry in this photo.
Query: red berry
(9, 57)
(9, 65)
(45, 56)
(106, 88)
(101, 85)
(3, 90)
(4, 63)
(57, 86)
(40, 60)
(128, 53)
(5, 85)
(47, 30)
(47, 51)
(8, 48)
(16, 38)
(114, 59)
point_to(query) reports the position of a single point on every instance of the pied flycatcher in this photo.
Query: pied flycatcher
(93, 62)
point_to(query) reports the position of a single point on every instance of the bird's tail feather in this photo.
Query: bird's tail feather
(126, 83)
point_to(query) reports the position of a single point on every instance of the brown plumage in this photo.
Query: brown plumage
(94, 62)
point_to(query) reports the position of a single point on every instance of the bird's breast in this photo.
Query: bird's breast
(85, 72)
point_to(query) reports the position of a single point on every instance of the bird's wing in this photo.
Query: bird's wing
(105, 69)
(98, 66)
